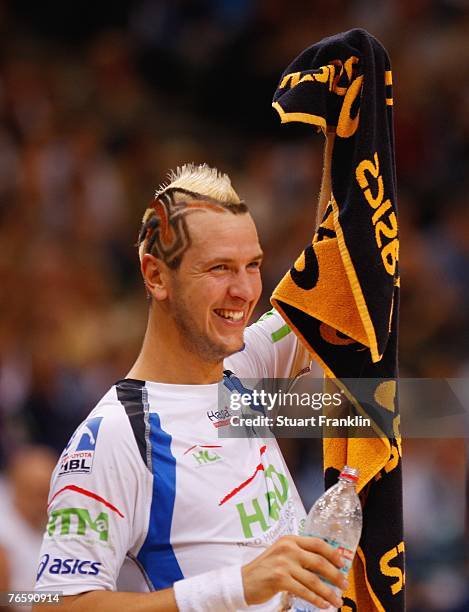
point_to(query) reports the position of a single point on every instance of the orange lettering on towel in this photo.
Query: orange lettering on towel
(329, 74)
(393, 571)
(384, 222)
(321, 75)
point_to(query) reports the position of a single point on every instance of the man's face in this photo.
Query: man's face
(213, 293)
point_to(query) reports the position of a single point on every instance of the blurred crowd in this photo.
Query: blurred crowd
(97, 103)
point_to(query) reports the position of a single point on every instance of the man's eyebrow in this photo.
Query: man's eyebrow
(257, 257)
(221, 259)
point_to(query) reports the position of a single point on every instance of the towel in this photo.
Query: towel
(341, 296)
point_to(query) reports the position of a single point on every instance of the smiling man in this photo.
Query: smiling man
(149, 508)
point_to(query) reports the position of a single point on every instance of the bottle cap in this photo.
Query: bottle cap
(349, 473)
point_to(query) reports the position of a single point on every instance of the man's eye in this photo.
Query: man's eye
(254, 264)
(219, 268)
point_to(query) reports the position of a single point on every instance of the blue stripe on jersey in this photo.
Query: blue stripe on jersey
(157, 555)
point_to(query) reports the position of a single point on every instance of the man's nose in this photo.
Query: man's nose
(244, 286)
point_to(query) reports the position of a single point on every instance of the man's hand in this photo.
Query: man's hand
(295, 564)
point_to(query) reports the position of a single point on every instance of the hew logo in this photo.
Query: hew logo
(78, 455)
(78, 521)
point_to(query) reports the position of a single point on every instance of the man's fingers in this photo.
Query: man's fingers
(297, 588)
(319, 565)
(313, 583)
(316, 545)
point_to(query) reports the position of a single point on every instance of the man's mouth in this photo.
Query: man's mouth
(230, 315)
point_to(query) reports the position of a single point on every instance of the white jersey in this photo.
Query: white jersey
(147, 493)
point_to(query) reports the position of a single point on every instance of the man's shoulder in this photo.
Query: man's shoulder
(108, 407)
(108, 417)
(112, 404)
(264, 340)
(269, 328)
(104, 437)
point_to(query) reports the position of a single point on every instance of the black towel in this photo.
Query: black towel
(341, 296)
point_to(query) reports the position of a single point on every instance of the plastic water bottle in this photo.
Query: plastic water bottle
(336, 517)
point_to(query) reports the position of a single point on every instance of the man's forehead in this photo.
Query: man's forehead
(218, 234)
(203, 224)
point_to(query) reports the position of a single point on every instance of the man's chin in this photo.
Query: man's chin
(235, 349)
(232, 346)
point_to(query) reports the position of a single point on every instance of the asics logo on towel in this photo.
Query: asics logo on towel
(384, 220)
(78, 455)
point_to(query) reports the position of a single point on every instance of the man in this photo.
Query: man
(146, 496)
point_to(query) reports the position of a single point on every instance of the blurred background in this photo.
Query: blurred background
(98, 101)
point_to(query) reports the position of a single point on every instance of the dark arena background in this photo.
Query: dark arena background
(97, 101)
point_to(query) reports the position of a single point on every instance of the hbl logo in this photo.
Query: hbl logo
(78, 455)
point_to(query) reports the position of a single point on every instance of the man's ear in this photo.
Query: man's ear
(155, 276)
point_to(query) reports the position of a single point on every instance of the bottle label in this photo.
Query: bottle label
(299, 605)
(346, 553)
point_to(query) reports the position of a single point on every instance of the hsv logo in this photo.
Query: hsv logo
(78, 455)
(219, 418)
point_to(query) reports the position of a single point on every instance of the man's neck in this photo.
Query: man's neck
(164, 359)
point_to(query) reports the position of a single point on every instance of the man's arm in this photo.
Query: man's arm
(293, 564)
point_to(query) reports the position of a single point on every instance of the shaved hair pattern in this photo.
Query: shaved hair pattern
(190, 188)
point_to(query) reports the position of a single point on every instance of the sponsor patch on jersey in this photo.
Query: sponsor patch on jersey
(78, 522)
(219, 418)
(67, 566)
(78, 455)
(203, 455)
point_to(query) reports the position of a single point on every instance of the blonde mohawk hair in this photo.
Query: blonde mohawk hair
(188, 189)
(203, 180)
